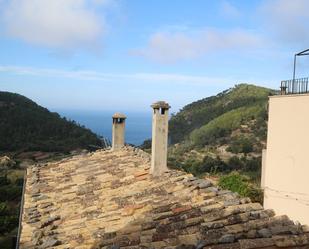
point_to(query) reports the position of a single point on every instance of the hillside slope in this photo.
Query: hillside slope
(26, 126)
(201, 112)
(221, 133)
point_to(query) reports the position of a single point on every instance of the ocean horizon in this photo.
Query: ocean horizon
(138, 124)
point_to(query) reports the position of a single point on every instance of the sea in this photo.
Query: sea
(138, 124)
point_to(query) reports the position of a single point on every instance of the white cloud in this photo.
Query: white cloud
(61, 24)
(170, 47)
(104, 2)
(288, 20)
(228, 10)
(87, 75)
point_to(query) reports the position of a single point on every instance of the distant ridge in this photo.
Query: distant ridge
(26, 126)
(225, 111)
(222, 133)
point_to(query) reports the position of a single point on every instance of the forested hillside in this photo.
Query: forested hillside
(209, 115)
(232, 123)
(11, 184)
(26, 126)
(222, 134)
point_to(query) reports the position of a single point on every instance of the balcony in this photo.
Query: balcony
(296, 86)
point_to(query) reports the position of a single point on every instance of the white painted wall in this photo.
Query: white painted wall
(285, 173)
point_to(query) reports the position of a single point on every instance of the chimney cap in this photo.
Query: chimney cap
(160, 104)
(119, 115)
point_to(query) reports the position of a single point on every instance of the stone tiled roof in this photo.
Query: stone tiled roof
(107, 199)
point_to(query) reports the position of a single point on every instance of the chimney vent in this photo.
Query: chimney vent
(159, 138)
(118, 130)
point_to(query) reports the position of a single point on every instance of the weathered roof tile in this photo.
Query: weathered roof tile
(107, 199)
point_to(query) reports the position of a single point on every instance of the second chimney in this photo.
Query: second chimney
(118, 131)
(159, 138)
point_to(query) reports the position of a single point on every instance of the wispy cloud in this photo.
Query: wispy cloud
(287, 20)
(59, 24)
(171, 47)
(228, 10)
(106, 77)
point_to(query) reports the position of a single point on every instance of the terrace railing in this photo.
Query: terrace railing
(296, 86)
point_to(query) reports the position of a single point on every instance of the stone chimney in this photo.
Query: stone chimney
(159, 138)
(118, 130)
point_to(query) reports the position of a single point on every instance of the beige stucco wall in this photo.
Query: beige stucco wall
(285, 173)
(263, 167)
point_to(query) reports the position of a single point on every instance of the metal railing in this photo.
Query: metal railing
(295, 86)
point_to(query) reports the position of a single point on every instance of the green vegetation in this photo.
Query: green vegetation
(223, 125)
(26, 126)
(214, 165)
(221, 135)
(241, 144)
(11, 184)
(200, 113)
(146, 145)
(241, 184)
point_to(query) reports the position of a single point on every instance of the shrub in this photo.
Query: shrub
(240, 184)
(244, 163)
(146, 145)
(4, 180)
(8, 218)
(224, 124)
(3, 208)
(6, 242)
(209, 165)
(241, 144)
(10, 192)
(213, 165)
(191, 165)
(234, 163)
(253, 164)
(19, 182)
(7, 223)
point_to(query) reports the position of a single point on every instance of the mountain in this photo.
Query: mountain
(222, 132)
(26, 126)
(203, 114)
(32, 131)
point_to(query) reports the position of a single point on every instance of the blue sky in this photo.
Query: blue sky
(123, 55)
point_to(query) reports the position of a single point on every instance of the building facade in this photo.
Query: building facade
(285, 163)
